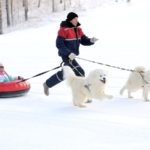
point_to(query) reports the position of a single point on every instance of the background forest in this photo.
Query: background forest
(14, 12)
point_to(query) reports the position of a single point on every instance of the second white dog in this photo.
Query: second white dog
(84, 88)
(138, 79)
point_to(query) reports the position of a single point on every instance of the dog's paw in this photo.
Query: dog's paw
(82, 105)
(130, 97)
(88, 101)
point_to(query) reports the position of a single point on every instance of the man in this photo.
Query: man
(70, 36)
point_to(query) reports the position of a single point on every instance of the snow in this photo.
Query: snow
(37, 122)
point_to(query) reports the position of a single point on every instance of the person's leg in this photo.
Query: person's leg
(78, 70)
(52, 81)
(55, 79)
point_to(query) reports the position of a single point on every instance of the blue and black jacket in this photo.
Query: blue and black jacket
(69, 39)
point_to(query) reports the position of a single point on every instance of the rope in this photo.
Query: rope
(39, 74)
(131, 70)
(105, 64)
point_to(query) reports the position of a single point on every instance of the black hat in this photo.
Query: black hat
(71, 16)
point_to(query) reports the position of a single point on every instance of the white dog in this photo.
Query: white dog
(138, 79)
(86, 88)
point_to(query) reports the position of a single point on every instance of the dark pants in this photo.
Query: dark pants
(58, 77)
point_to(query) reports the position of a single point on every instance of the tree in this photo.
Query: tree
(39, 3)
(64, 4)
(7, 13)
(11, 8)
(53, 5)
(1, 23)
(70, 2)
(25, 5)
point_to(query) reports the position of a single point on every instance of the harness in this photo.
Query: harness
(142, 76)
(87, 86)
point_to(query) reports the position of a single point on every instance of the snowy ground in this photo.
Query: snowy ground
(37, 122)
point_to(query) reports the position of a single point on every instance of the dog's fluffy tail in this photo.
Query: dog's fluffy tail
(68, 74)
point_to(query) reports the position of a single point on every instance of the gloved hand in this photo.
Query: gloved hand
(93, 39)
(72, 56)
(20, 78)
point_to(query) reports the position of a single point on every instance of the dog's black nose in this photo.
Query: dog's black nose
(104, 80)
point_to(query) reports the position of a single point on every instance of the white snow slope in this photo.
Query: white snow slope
(37, 122)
